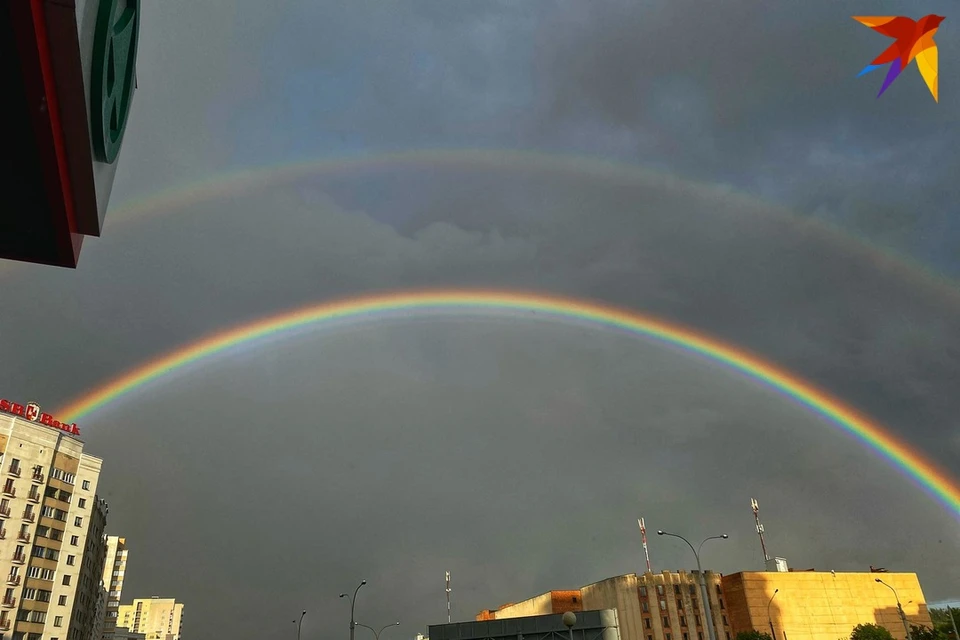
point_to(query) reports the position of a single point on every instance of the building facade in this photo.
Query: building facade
(86, 623)
(590, 625)
(47, 501)
(653, 606)
(158, 618)
(823, 605)
(114, 569)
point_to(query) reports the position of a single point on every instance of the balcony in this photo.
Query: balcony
(4, 624)
(24, 537)
(15, 470)
(9, 490)
(5, 512)
(19, 558)
(34, 497)
(9, 601)
(13, 579)
(29, 515)
(38, 476)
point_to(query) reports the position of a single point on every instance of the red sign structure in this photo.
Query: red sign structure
(31, 411)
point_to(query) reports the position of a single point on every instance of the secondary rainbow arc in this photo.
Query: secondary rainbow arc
(932, 479)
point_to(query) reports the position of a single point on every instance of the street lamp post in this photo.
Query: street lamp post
(703, 579)
(353, 604)
(376, 634)
(773, 634)
(299, 623)
(569, 619)
(903, 617)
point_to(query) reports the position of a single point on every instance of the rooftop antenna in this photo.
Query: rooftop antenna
(643, 535)
(756, 516)
(448, 597)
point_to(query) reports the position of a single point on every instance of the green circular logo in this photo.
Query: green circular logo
(113, 74)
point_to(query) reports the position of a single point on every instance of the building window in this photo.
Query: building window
(719, 593)
(647, 620)
(75, 539)
(78, 521)
(699, 635)
(721, 603)
(724, 620)
(693, 589)
(685, 636)
(660, 589)
(643, 590)
(666, 622)
(667, 635)
(66, 581)
(679, 604)
(86, 485)
(676, 589)
(683, 623)
(698, 619)
(58, 621)
(663, 605)
(62, 601)
(83, 502)
(645, 606)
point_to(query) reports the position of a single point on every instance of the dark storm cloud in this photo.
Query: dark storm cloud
(401, 452)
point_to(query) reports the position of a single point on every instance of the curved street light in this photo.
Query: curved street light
(703, 579)
(299, 623)
(376, 634)
(903, 616)
(773, 634)
(353, 604)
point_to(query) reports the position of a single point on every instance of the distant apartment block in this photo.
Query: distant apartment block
(114, 569)
(157, 618)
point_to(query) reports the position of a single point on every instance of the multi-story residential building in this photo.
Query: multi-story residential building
(47, 505)
(113, 572)
(158, 618)
(86, 623)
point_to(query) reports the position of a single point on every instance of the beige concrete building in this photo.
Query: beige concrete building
(87, 619)
(158, 618)
(114, 569)
(823, 605)
(653, 606)
(47, 503)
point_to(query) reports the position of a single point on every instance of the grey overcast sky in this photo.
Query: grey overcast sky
(516, 453)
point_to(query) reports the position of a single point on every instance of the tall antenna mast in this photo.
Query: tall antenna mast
(448, 597)
(756, 516)
(643, 536)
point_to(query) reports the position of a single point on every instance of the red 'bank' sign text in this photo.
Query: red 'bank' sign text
(31, 411)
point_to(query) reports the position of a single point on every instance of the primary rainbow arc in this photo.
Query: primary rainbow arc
(935, 481)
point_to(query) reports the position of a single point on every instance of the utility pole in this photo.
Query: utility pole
(448, 597)
(643, 536)
(756, 516)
